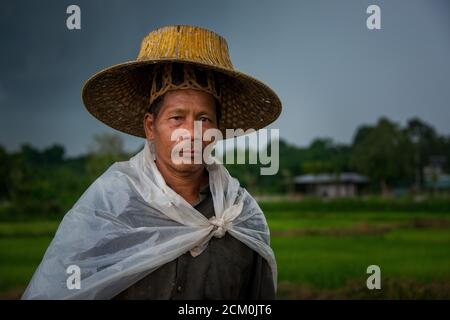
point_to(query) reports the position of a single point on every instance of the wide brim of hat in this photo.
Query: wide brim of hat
(119, 95)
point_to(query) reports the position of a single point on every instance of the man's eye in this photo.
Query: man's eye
(176, 118)
(205, 119)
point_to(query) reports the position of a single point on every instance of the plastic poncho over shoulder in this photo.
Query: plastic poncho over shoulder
(129, 222)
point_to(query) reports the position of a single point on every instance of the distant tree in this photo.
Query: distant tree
(361, 133)
(5, 178)
(384, 153)
(107, 144)
(325, 156)
(29, 155)
(54, 155)
(427, 144)
(105, 149)
(35, 180)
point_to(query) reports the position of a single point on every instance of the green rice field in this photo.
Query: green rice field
(320, 255)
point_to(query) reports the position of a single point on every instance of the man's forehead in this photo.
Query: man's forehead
(188, 99)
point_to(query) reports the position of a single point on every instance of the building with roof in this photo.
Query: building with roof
(345, 184)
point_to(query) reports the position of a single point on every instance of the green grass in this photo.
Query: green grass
(329, 262)
(412, 246)
(409, 247)
(28, 229)
(19, 258)
(22, 246)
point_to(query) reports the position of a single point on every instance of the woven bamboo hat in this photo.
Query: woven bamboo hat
(120, 95)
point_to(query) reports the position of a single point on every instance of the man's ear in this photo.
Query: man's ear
(149, 122)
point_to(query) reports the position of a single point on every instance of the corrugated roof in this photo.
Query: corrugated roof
(329, 178)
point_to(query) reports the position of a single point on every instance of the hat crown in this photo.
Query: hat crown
(186, 43)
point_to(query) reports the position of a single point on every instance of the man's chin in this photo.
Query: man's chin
(189, 167)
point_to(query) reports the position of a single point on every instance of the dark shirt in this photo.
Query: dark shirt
(226, 269)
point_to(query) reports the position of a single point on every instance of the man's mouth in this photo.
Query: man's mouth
(191, 152)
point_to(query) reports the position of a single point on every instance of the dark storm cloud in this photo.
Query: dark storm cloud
(331, 73)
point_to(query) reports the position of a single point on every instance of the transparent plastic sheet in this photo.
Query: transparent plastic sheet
(129, 222)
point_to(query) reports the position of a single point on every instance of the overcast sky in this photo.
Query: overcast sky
(331, 73)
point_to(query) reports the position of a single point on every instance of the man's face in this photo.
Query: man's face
(179, 111)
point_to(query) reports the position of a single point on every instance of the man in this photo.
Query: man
(153, 227)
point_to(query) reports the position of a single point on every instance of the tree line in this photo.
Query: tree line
(49, 183)
(390, 155)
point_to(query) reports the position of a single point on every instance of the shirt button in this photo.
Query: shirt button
(179, 288)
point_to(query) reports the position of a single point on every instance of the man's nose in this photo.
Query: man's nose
(194, 128)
